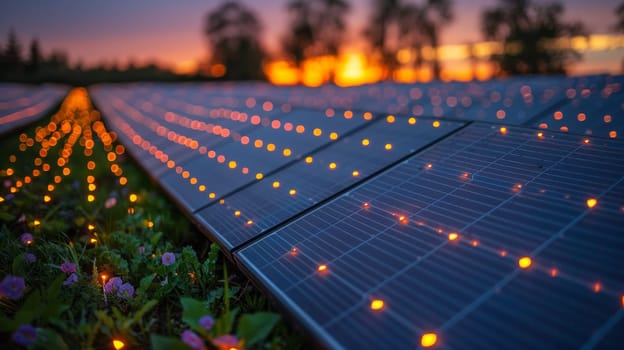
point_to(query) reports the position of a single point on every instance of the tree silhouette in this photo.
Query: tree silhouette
(34, 58)
(619, 13)
(421, 24)
(316, 29)
(13, 53)
(382, 30)
(526, 28)
(233, 33)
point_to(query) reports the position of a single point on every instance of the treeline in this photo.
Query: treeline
(34, 66)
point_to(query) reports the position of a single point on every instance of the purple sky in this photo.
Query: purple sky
(170, 31)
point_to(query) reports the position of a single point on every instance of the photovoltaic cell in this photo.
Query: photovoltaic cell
(21, 104)
(252, 211)
(492, 238)
(594, 106)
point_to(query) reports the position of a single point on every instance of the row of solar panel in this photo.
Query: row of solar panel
(21, 105)
(495, 237)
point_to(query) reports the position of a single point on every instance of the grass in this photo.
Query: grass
(93, 256)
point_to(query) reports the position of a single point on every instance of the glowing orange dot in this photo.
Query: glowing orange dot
(429, 166)
(388, 146)
(287, 152)
(554, 272)
(237, 213)
(292, 192)
(428, 340)
(503, 253)
(322, 268)
(436, 124)
(524, 262)
(47, 198)
(390, 119)
(90, 198)
(249, 222)
(581, 117)
(540, 135)
(259, 176)
(365, 142)
(90, 165)
(612, 134)
(475, 243)
(212, 195)
(377, 304)
(622, 300)
(366, 205)
(270, 147)
(294, 251)
(453, 236)
(333, 136)
(333, 165)
(586, 141)
(597, 287)
(309, 159)
(503, 130)
(276, 184)
(123, 180)
(355, 173)
(317, 132)
(403, 219)
(591, 202)
(411, 121)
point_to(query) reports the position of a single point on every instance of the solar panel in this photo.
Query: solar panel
(22, 104)
(593, 107)
(495, 237)
(266, 149)
(256, 209)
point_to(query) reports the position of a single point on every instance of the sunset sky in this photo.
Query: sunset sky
(171, 31)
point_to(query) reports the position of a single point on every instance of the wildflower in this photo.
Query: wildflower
(141, 250)
(12, 287)
(112, 285)
(227, 341)
(192, 340)
(206, 322)
(126, 291)
(110, 202)
(73, 278)
(25, 335)
(168, 259)
(30, 258)
(27, 238)
(68, 267)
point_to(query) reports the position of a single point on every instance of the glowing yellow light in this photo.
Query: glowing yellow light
(453, 236)
(390, 119)
(503, 130)
(333, 136)
(276, 184)
(91, 187)
(212, 195)
(47, 198)
(1, 199)
(292, 192)
(133, 197)
(9, 172)
(366, 205)
(436, 124)
(322, 268)
(524, 262)
(429, 166)
(90, 198)
(591, 202)
(91, 227)
(249, 222)
(540, 135)
(287, 152)
(93, 240)
(317, 132)
(237, 213)
(428, 340)
(403, 219)
(103, 277)
(259, 176)
(355, 173)
(309, 160)
(270, 147)
(377, 304)
(365, 142)
(149, 223)
(36, 223)
(411, 121)
(118, 344)
(332, 165)
(388, 146)
(368, 116)
(294, 251)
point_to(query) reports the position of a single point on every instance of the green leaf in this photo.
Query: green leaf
(7, 324)
(105, 319)
(155, 238)
(143, 310)
(49, 339)
(4, 216)
(223, 325)
(256, 327)
(160, 342)
(30, 310)
(192, 311)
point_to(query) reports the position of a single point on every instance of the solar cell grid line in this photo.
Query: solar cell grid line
(316, 177)
(22, 105)
(234, 165)
(440, 282)
(593, 107)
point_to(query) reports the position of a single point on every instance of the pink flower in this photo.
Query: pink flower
(12, 287)
(73, 278)
(141, 250)
(112, 285)
(168, 259)
(27, 238)
(192, 340)
(68, 267)
(110, 202)
(227, 341)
